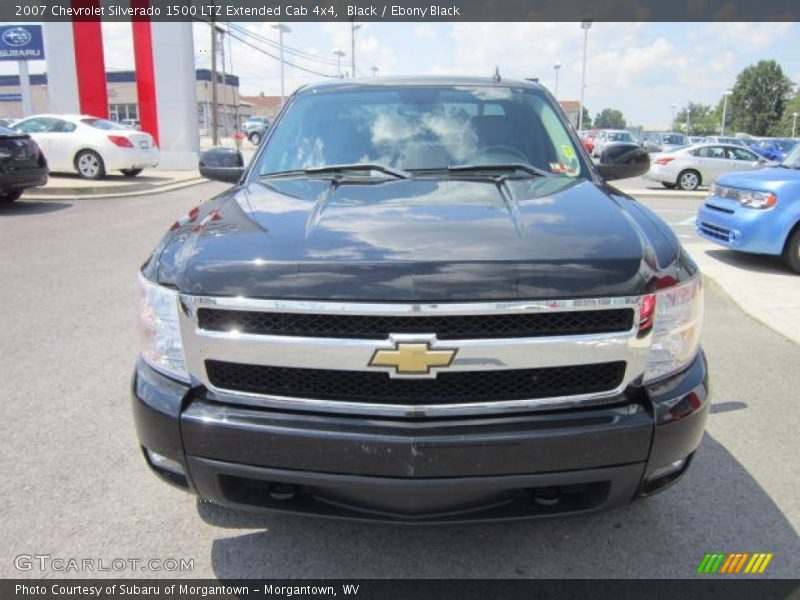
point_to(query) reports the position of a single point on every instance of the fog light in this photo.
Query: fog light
(669, 469)
(167, 464)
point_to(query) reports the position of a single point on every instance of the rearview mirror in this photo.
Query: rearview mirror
(222, 164)
(623, 160)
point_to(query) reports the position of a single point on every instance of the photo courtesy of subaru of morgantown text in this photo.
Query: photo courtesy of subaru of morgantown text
(335, 300)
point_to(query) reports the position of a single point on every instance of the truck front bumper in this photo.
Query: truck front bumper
(423, 471)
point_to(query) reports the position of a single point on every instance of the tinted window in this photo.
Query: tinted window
(36, 125)
(741, 154)
(674, 138)
(102, 124)
(420, 127)
(710, 152)
(63, 126)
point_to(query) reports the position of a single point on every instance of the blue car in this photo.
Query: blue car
(774, 149)
(757, 211)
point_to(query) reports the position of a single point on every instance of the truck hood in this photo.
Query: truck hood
(418, 240)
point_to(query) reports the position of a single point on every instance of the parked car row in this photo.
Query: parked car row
(689, 167)
(90, 146)
(254, 128)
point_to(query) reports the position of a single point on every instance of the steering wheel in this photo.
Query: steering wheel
(500, 149)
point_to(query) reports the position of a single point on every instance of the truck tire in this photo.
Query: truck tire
(791, 252)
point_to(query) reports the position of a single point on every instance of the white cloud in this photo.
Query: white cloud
(425, 32)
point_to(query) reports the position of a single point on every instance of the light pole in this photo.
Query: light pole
(672, 123)
(339, 54)
(281, 30)
(725, 95)
(586, 25)
(557, 68)
(794, 124)
(374, 71)
(353, 29)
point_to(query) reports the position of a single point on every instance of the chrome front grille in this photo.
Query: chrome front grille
(510, 356)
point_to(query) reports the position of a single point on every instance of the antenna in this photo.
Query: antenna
(496, 76)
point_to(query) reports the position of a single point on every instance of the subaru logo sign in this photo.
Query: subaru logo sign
(17, 37)
(21, 42)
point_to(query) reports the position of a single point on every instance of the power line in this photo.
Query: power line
(271, 55)
(287, 49)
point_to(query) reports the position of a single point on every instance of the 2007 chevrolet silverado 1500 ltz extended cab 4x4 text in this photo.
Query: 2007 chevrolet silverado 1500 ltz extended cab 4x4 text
(421, 303)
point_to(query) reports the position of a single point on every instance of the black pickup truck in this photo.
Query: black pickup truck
(421, 302)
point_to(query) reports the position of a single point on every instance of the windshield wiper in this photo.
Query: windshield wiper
(491, 168)
(339, 170)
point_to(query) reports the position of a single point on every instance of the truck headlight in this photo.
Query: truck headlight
(676, 329)
(159, 331)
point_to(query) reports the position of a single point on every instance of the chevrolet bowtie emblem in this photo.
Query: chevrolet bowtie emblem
(412, 358)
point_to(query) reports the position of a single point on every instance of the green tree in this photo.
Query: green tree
(697, 119)
(587, 120)
(759, 99)
(609, 118)
(784, 128)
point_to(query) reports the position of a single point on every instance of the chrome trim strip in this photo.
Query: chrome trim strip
(355, 354)
(407, 309)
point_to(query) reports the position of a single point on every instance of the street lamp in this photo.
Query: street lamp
(586, 25)
(725, 95)
(557, 68)
(374, 71)
(794, 125)
(281, 30)
(339, 54)
(672, 123)
(353, 29)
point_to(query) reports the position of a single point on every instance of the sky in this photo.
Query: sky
(638, 68)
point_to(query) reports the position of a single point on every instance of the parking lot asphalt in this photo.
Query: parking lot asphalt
(75, 485)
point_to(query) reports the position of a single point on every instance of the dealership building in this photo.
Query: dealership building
(122, 99)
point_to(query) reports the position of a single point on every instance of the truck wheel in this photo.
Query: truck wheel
(791, 252)
(689, 180)
(255, 139)
(131, 172)
(90, 165)
(10, 196)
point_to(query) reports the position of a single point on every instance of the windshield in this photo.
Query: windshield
(420, 127)
(620, 136)
(674, 138)
(784, 145)
(793, 158)
(102, 124)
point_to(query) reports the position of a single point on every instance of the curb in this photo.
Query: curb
(167, 187)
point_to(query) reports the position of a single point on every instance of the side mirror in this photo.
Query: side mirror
(621, 161)
(222, 164)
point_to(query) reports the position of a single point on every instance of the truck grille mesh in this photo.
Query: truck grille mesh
(445, 327)
(448, 387)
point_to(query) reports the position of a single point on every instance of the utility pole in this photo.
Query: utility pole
(281, 30)
(794, 125)
(353, 29)
(672, 123)
(214, 132)
(557, 68)
(724, 110)
(586, 25)
(339, 54)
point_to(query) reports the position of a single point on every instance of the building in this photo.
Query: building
(573, 109)
(122, 98)
(263, 106)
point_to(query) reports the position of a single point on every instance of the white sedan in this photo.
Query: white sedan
(692, 166)
(90, 146)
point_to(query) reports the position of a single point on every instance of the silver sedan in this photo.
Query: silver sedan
(692, 166)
